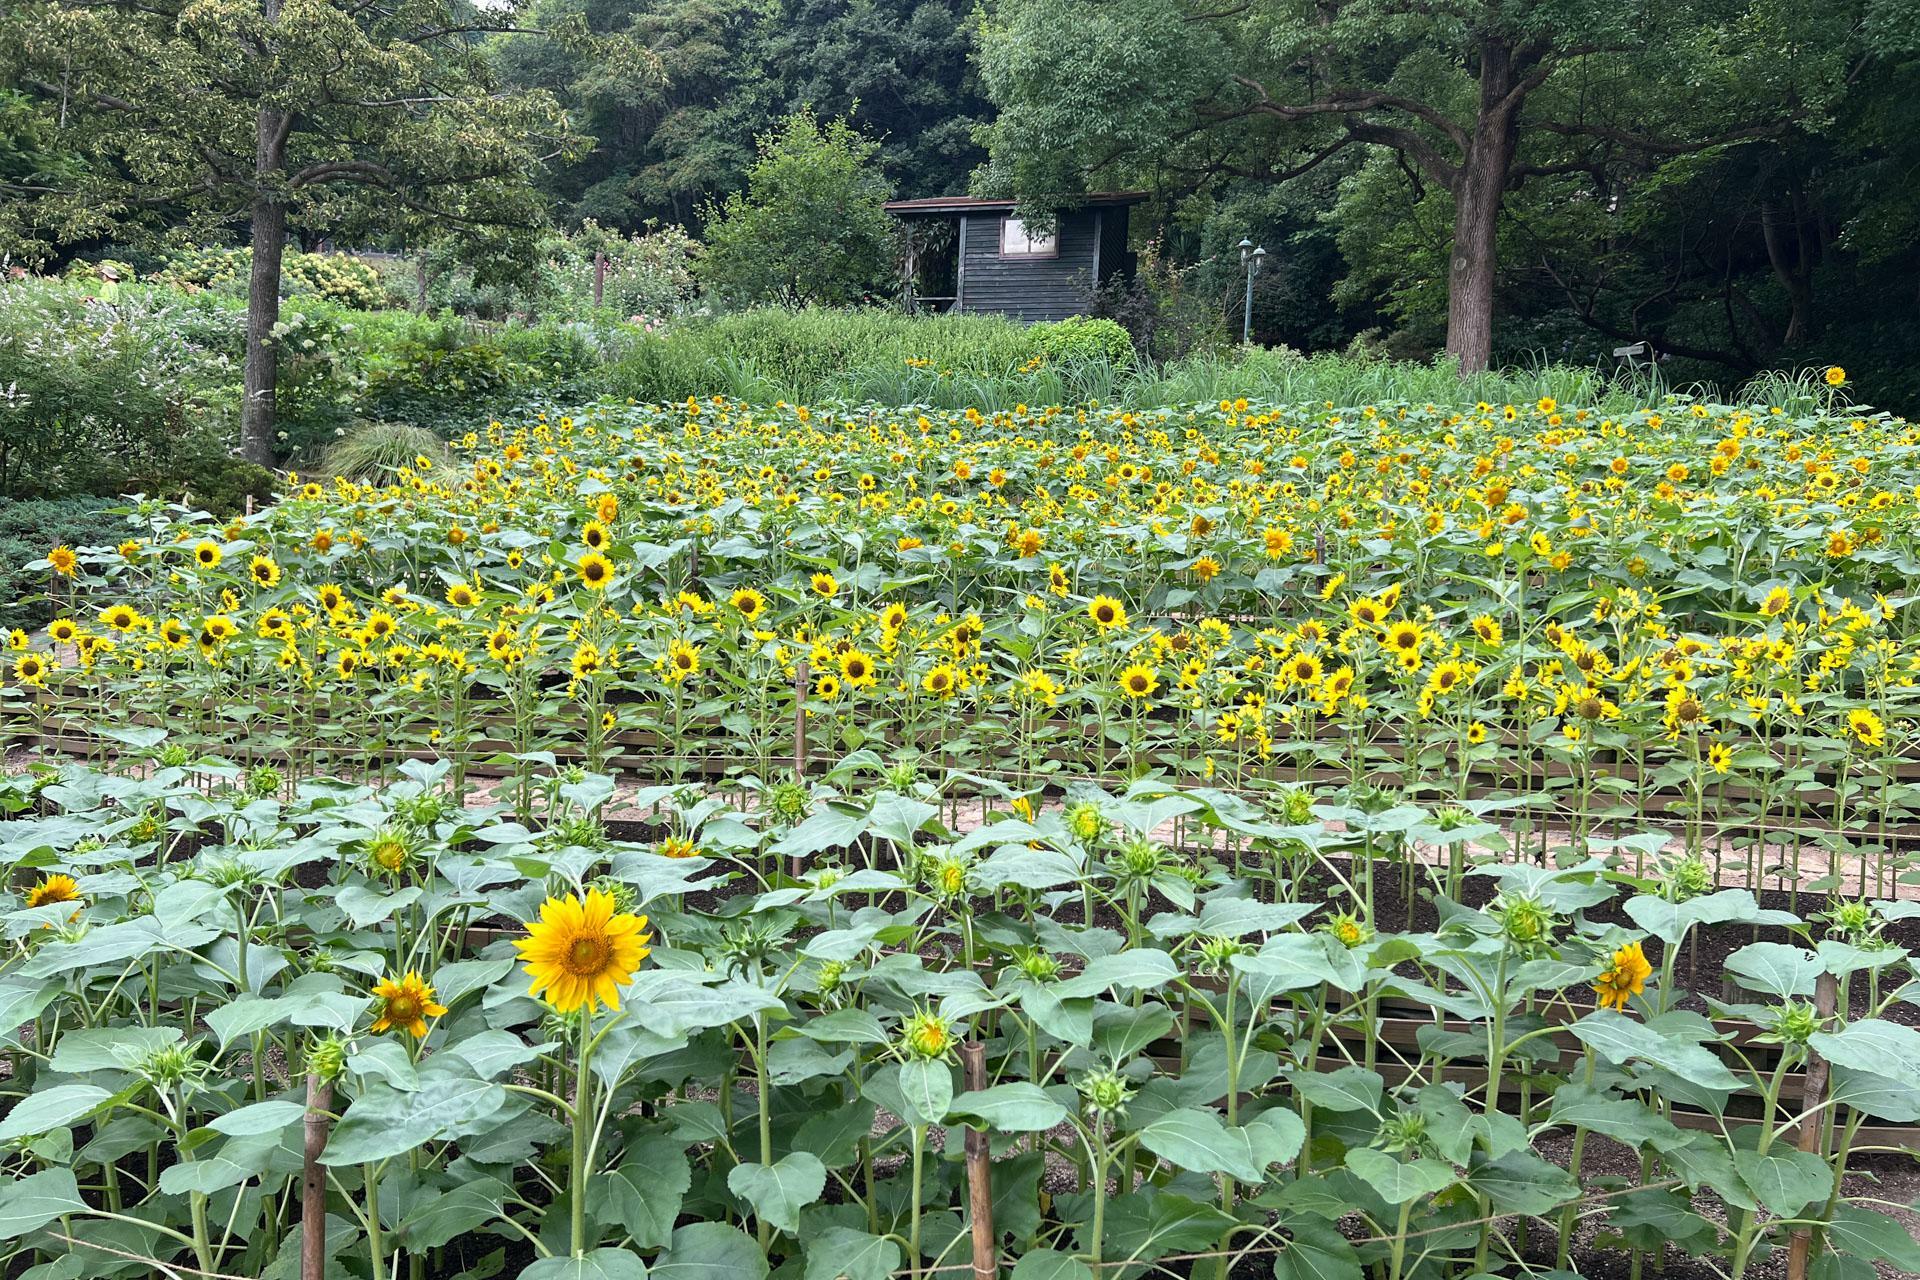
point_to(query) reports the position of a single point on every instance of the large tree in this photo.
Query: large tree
(1473, 97)
(897, 70)
(349, 118)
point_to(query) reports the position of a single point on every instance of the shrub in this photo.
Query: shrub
(27, 530)
(1085, 338)
(96, 397)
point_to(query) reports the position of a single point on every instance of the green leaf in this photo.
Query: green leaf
(1874, 1237)
(1874, 1045)
(1048, 1264)
(108, 1048)
(1398, 1181)
(1142, 969)
(833, 826)
(1669, 921)
(779, 1191)
(29, 1203)
(442, 1216)
(845, 1026)
(1317, 1252)
(258, 1117)
(21, 1001)
(1300, 962)
(1019, 1107)
(899, 818)
(601, 1264)
(51, 1109)
(385, 1121)
(1618, 1039)
(927, 1089)
(1191, 1138)
(237, 1161)
(1522, 1182)
(1621, 1119)
(643, 1195)
(1347, 1089)
(1784, 1180)
(1775, 968)
(710, 1251)
(451, 981)
(841, 1253)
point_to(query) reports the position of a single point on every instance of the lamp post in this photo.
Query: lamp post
(1250, 263)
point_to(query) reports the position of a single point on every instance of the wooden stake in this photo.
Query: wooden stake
(986, 1242)
(599, 278)
(1813, 1092)
(313, 1182)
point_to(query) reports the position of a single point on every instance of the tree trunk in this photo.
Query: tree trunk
(263, 292)
(1478, 192)
(1792, 266)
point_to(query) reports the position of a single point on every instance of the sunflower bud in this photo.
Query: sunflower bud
(1086, 822)
(1793, 1023)
(261, 781)
(1140, 859)
(831, 974)
(1036, 965)
(327, 1056)
(390, 851)
(1297, 808)
(1524, 920)
(926, 1036)
(787, 801)
(1105, 1093)
(1403, 1131)
(1217, 953)
(1689, 878)
(1348, 930)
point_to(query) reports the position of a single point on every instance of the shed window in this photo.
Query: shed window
(1017, 241)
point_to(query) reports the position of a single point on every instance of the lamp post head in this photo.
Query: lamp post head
(1246, 247)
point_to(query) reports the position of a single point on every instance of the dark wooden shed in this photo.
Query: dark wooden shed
(969, 255)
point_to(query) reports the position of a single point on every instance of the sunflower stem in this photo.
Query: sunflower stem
(582, 1113)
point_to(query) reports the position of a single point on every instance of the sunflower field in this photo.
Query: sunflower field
(718, 840)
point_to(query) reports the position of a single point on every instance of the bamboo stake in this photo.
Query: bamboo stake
(1813, 1092)
(313, 1182)
(986, 1243)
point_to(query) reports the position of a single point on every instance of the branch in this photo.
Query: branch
(1656, 146)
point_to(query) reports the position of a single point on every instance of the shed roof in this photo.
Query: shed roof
(929, 205)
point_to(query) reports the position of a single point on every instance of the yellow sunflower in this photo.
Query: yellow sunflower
(1625, 976)
(264, 570)
(1107, 613)
(595, 570)
(582, 952)
(1139, 681)
(53, 888)
(405, 1003)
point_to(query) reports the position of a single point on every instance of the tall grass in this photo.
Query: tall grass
(952, 362)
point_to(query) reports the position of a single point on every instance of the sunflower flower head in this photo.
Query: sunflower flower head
(1625, 976)
(580, 952)
(405, 1004)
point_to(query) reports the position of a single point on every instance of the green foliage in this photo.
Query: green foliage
(99, 398)
(1084, 338)
(898, 70)
(372, 452)
(810, 227)
(27, 530)
(337, 277)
